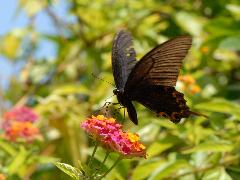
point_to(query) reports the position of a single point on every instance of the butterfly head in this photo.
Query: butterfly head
(118, 92)
(120, 96)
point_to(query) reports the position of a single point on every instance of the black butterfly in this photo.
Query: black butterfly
(151, 80)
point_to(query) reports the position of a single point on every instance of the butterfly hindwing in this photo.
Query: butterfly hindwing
(123, 58)
(161, 65)
(163, 100)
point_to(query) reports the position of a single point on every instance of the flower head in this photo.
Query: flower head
(126, 144)
(204, 49)
(109, 133)
(23, 114)
(187, 79)
(24, 130)
(195, 89)
(2, 176)
(188, 84)
(19, 124)
(100, 125)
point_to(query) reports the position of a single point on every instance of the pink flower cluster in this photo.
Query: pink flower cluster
(18, 124)
(109, 133)
(21, 114)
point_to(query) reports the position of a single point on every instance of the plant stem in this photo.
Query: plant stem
(93, 153)
(106, 156)
(104, 160)
(106, 173)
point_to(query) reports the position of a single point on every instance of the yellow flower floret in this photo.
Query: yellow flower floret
(133, 137)
(103, 118)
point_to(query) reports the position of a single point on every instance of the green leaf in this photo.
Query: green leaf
(41, 159)
(220, 105)
(219, 174)
(234, 10)
(10, 44)
(158, 148)
(210, 147)
(199, 159)
(167, 170)
(222, 26)
(233, 171)
(7, 148)
(69, 170)
(71, 89)
(39, 72)
(231, 43)
(149, 132)
(32, 7)
(144, 170)
(19, 161)
(190, 22)
(166, 124)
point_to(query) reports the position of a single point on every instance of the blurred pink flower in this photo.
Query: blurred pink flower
(23, 114)
(109, 133)
(19, 124)
(24, 130)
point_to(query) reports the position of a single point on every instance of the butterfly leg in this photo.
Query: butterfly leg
(117, 110)
(115, 104)
(106, 104)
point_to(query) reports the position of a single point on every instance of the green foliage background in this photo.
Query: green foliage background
(64, 92)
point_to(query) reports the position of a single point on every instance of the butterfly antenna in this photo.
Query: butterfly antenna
(102, 80)
(109, 98)
(107, 103)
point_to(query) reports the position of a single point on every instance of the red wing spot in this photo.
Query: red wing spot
(175, 115)
(175, 94)
(163, 114)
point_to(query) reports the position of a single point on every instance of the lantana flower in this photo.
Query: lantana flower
(24, 130)
(21, 114)
(100, 126)
(2, 176)
(19, 124)
(109, 133)
(188, 84)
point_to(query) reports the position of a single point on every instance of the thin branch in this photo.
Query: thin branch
(111, 168)
(93, 153)
(58, 22)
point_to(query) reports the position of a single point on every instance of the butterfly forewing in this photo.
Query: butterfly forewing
(123, 58)
(161, 65)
